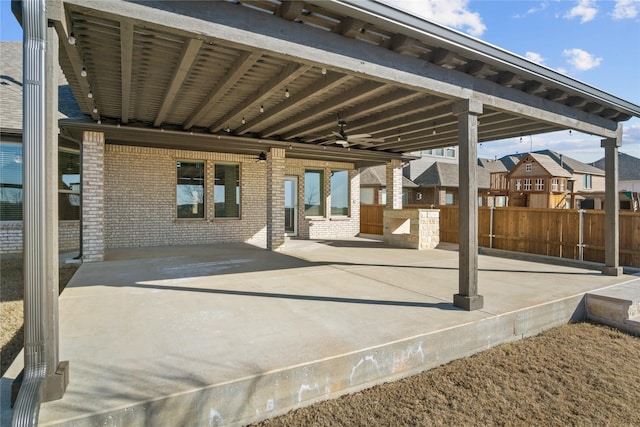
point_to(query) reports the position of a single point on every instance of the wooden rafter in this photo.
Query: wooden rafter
(189, 54)
(126, 64)
(239, 68)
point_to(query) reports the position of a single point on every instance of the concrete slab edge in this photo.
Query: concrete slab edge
(546, 259)
(275, 393)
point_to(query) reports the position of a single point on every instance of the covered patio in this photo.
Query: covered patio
(271, 91)
(230, 334)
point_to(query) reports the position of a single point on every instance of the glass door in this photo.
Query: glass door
(291, 205)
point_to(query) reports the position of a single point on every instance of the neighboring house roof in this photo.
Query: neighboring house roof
(568, 163)
(547, 163)
(571, 164)
(628, 167)
(11, 89)
(377, 176)
(492, 165)
(446, 175)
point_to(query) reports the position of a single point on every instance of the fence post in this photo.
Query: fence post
(491, 227)
(580, 235)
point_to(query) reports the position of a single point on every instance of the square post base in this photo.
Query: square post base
(612, 271)
(468, 303)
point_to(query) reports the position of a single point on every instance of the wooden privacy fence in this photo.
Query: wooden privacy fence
(565, 233)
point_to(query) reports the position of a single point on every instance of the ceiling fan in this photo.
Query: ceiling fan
(341, 138)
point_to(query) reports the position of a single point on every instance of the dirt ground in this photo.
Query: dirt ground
(11, 309)
(579, 374)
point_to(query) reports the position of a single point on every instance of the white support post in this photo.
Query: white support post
(467, 297)
(394, 184)
(611, 206)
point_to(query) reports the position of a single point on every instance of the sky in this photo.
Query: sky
(595, 42)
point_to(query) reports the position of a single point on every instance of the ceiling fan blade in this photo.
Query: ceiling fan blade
(358, 136)
(337, 134)
(342, 142)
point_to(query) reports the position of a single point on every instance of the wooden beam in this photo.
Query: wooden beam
(189, 54)
(331, 105)
(241, 66)
(401, 96)
(56, 14)
(290, 10)
(290, 73)
(325, 84)
(351, 27)
(126, 65)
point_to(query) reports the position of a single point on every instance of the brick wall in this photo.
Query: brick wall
(11, 236)
(93, 196)
(140, 199)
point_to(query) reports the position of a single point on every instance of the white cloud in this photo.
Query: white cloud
(534, 57)
(452, 13)
(585, 10)
(581, 60)
(626, 9)
(534, 9)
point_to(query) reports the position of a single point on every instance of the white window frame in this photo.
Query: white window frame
(527, 184)
(528, 167)
(539, 184)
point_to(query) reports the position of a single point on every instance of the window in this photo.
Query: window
(313, 193)
(226, 191)
(527, 167)
(383, 196)
(539, 184)
(190, 190)
(366, 196)
(501, 201)
(562, 185)
(10, 181)
(448, 199)
(586, 181)
(340, 193)
(527, 184)
(426, 152)
(518, 185)
(451, 152)
(554, 184)
(68, 184)
(438, 152)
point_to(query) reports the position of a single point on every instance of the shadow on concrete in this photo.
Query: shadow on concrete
(440, 305)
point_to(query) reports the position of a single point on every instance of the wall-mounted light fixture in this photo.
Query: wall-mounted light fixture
(262, 157)
(72, 38)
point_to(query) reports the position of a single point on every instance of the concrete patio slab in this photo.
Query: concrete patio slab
(229, 334)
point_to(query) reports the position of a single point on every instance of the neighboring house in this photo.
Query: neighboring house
(11, 158)
(373, 186)
(537, 181)
(628, 180)
(498, 185)
(438, 185)
(426, 158)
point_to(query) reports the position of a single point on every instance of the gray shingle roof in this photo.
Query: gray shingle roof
(550, 165)
(628, 167)
(377, 176)
(442, 174)
(492, 165)
(11, 89)
(570, 164)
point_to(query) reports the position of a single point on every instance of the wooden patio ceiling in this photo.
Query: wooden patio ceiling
(137, 73)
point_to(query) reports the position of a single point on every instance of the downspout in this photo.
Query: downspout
(27, 407)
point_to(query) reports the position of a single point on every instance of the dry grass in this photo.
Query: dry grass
(11, 308)
(580, 374)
